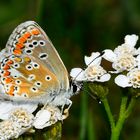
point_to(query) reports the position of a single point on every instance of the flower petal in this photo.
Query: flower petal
(109, 55)
(138, 60)
(93, 59)
(106, 77)
(131, 40)
(122, 81)
(42, 117)
(6, 107)
(77, 74)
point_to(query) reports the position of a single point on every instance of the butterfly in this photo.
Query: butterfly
(31, 70)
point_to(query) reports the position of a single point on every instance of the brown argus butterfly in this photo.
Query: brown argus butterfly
(31, 69)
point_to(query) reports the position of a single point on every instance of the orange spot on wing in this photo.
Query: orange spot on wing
(17, 59)
(19, 46)
(11, 91)
(17, 52)
(27, 35)
(22, 40)
(27, 59)
(35, 32)
(8, 80)
(9, 62)
(6, 67)
(6, 73)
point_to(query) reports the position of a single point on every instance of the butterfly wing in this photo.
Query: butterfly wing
(32, 66)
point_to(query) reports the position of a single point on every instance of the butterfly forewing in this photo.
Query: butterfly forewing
(32, 67)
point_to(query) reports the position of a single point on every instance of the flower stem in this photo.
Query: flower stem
(108, 111)
(118, 127)
(125, 110)
(130, 107)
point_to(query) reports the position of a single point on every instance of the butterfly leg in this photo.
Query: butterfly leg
(66, 111)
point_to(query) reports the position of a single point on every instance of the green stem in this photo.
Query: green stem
(117, 129)
(130, 107)
(124, 114)
(109, 114)
(84, 108)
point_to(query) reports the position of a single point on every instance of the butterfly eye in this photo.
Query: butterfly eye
(29, 67)
(42, 43)
(48, 78)
(43, 56)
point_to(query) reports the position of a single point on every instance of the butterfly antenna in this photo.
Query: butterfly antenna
(92, 96)
(88, 65)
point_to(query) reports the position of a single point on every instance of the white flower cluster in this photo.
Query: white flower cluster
(93, 72)
(125, 61)
(19, 118)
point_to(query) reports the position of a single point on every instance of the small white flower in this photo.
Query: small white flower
(19, 121)
(124, 62)
(94, 59)
(6, 107)
(42, 117)
(132, 79)
(22, 117)
(122, 81)
(138, 61)
(78, 74)
(93, 72)
(47, 116)
(131, 40)
(123, 58)
(8, 130)
(96, 73)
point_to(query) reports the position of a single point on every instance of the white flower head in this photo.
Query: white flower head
(19, 122)
(124, 56)
(6, 107)
(131, 40)
(47, 116)
(8, 130)
(96, 73)
(124, 62)
(94, 59)
(128, 46)
(132, 79)
(93, 72)
(22, 117)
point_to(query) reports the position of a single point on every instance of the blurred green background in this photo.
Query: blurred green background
(77, 28)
